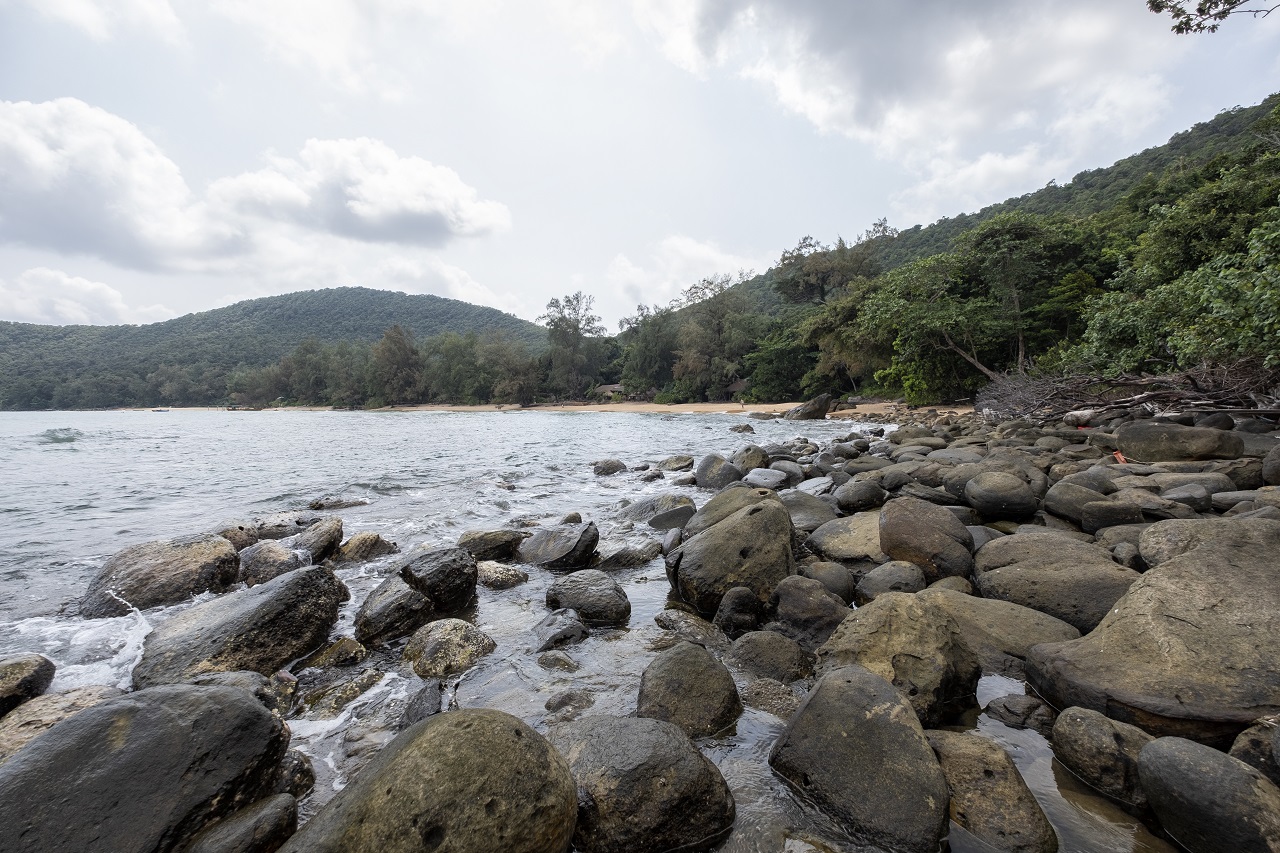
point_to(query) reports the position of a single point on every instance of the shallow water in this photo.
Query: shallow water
(77, 487)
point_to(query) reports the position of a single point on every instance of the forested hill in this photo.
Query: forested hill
(97, 366)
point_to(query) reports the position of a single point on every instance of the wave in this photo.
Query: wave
(59, 435)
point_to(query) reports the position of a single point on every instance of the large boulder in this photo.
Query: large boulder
(500, 545)
(393, 610)
(999, 494)
(23, 677)
(750, 548)
(858, 752)
(157, 573)
(643, 787)
(269, 559)
(1073, 581)
(813, 410)
(321, 540)
(1208, 801)
(998, 633)
(364, 546)
(24, 724)
(258, 828)
(445, 576)
(685, 685)
(723, 505)
(715, 472)
(1148, 441)
(469, 781)
(854, 538)
(259, 629)
(597, 598)
(1164, 540)
(1189, 651)
(911, 644)
(808, 512)
(447, 647)
(806, 611)
(768, 654)
(988, 796)
(566, 546)
(144, 772)
(928, 535)
(1103, 752)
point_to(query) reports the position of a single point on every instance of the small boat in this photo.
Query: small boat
(159, 410)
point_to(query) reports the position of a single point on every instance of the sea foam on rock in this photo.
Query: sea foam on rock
(156, 573)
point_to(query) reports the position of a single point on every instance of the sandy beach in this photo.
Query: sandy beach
(876, 408)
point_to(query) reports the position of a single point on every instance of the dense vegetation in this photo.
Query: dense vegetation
(1167, 260)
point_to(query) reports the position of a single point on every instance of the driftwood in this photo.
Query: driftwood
(1242, 387)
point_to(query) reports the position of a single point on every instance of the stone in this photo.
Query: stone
(393, 610)
(999, 494)
(469, 781)
(158, 573)
(23, 677)
(772, 697)
(596, 597)
(497, 545)
(259, 629)
(715, 472)
(241, 534)
(258, 828)
(765, 478)
(342, 652)
(857, 751)
(1164, 540)
(740, 611)
(1072, 581)
(494, 575)
(834, 576)
(363, 547)
(860, 496)
(850, 539)
(685, 685)
(768, 654)
(813, 410)
(1019, 711)
(805, 610)
(269, 559)
(447, 647)
(750, 458)
(661, 512)
(643, 787)
(912, 644)
(568, 546)
(1254, 746)
(608, 467)
(750, 548)
(1102, 752)
(999, 634)
(724, 505)
(988, 796)
(1147, 441)
(1208, 801)
(425, 703)
(320, 541)
(1189, 650)
(34, 717)
(295, 775)
(562, 627)
(276, 693)
(927, 535)
(1068, 500)
(281, 525)
(808, 512)
(893, 576)
(626, 554)
(1271, 467)
(444, 576)
(795, 474)
(146, 771)
(680, 462)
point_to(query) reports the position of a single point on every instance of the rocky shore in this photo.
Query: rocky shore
(1126, 569)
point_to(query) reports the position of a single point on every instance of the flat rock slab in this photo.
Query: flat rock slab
(567, 546)
(1190, 650)
(1144, 441)
(856, 537)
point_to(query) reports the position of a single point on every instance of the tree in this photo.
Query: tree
(570, 325)
(1207, 15)
(649, 340)
(813, 272)
(397, 366)
(718, 332)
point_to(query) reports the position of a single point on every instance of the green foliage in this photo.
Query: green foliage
(717, 332)
(1206, 15)
(573, 358)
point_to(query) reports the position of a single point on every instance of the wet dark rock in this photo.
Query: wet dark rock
(999, 494)
(834, 576)
(750, 548)
(445, 576)
(856, 537)
(893, 576)
(568, 546)
(470, 781)
(597, 598)
(447, 647)
(334, 690)
(715, 472)
(1147, 441)
(661, 512)
(988, 796)
(393, 610)
(768, 654)
(813, 410)
(742, 428)
(856, 750)
(1102, 752)
(998, 633)
(259, 828)
(807, 512)
(672, 541)
(685, 685)
(860, 496)
(321, 540)
(294, 776)
(1072, 581)
(1019, 711)
(269, 559)
(608, 467)
(1254, 746)
(643, 787)
(724, 505)
(562, 627)
(259, 629)
(686, 626)
(740, 611)
(928, 535)
(363, 547)
(499, 545)
(157, 573)
(275, 692)
(750, 458)
(494, 575)
(626, 554)
(425, 703)
(283, 524)
(145, 772)
(914, 645)
(33, 717)
(805, 610)
(23, 677)
(342, 652)
(1189, 651)
(1208, 801)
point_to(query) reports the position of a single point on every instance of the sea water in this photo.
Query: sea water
(76, 487)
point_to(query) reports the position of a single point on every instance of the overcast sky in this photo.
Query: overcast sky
(159, 157)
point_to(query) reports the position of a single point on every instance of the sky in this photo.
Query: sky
(159, 157)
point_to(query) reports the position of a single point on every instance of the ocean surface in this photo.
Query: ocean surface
(76, 487)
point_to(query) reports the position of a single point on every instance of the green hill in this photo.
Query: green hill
(45, 367)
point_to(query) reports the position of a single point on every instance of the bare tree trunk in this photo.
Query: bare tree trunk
(987, 372)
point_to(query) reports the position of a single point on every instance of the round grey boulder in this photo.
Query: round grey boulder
(893, 576)
(998, 494)
(597, 598)
(566, 546)
(715, 472)
(446, 647)
(157, 573)
(685, 685)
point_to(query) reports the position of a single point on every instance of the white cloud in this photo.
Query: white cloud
(432, 275)
(53, 297)
(102, 21)
(674, 264)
